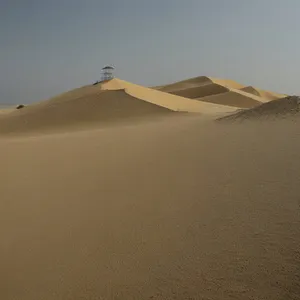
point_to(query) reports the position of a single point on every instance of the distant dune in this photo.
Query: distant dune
(220, 91)
(213, 90)
(265, 95)
(108, 102)
(276, 109)
(201, 91)
(197, 82)
(236, 98)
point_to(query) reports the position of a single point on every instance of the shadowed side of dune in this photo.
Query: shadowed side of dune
(250, 90)
(184, 84)
(201, 91)
(167, 100)
(98, 107)
(198, 82)
(234, 98)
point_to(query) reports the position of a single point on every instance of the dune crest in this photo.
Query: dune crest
(233, 97)
(197, 82)
(172, 102)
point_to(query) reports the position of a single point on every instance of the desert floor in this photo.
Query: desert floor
(176, 208)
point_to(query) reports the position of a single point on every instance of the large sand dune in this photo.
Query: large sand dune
(178, 209)
(166, 100)
(109, 102)
(71, 111)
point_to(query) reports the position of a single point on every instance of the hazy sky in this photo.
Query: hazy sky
(48, 47)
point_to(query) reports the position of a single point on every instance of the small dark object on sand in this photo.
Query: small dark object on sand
(20, 106)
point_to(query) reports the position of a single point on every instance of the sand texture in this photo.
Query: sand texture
(288, 107)
(180, 208)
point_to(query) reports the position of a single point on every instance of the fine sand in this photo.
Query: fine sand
(180, 208)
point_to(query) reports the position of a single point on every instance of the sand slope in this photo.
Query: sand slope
(197, 82)
(109, 102)
(179, 209)
(166, 100)
(236, 98)
(201, 91)
(282, 108)
(220, 91)
(212, 90)
(78, 109)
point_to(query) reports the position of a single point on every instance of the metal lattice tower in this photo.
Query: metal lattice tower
(107, 73)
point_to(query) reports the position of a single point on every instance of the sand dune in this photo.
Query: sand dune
(199, 87)
(166, 100)
(109, 102)
(236, 98)
(218, 91)
(197, 82)
(201, 91)
(265, 95)
(276, 109)
(178, 209)
(78, 109)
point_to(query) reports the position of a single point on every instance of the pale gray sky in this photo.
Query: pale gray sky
(48, 47)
